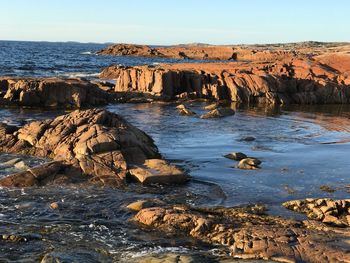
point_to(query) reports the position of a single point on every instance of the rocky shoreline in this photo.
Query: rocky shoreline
(95, 146)
(298, 81)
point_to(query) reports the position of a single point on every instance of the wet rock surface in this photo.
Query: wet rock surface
(329, 211)
(249, 163)
(93, 142)
(237, 156)
(218, 113)
(247, 233)
(183, 110)
(51, 92)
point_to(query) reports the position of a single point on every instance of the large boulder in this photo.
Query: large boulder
(51, 92)
(95, 143)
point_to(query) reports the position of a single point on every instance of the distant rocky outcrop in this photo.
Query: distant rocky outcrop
(253, 53)
(94, 145)
(176, 52)
(289, 81)
(51, 92)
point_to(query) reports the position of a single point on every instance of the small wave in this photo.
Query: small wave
(81, 75)
(86, 53)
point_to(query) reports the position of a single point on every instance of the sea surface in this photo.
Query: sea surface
(301, 147)
(69, 59)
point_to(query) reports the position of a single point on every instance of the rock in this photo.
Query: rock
(13, 238)
(10, 163)
(178, 52)
(300, 80)
(183, 110)
(326, 188)
(247, 235)
(141, 204)
(218, 113)
(21, 165)
(158, 171)
(53, 92)
(211, 107)
(329, 211)
(54, 205)
(237, 156)
(33, 176)
(187, 96)
(182, 258)
(249, 163)
(248, 139)
(93, 144)
(7, 129)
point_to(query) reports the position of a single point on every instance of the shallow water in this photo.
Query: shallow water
(301, 148)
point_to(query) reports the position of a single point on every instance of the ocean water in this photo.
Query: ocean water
(19, 58)
(302, 148)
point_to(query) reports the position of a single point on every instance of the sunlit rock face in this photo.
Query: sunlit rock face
(95, 143)
(286, 81)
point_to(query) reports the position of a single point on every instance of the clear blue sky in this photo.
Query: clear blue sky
(175, 21)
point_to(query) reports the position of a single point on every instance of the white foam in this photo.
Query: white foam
(86, 53)
(81, 75)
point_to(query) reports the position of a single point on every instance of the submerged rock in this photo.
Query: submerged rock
(13, 238)
(95, 144)
(211, 106)
(327, 188)
(247, 234)
(218, 113)
(141, 204)
(329, 211)
(248, 139)
(183, 110)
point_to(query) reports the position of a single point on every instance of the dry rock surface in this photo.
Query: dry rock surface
(249, 234)
(288, 81)
(158, 171)
(51, 92)
(95, 144)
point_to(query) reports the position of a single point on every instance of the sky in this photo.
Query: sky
(178, 21)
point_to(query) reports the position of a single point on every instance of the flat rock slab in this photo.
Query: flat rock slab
(158, 171)
(250, 234)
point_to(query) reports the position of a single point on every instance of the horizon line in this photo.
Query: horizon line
(189, 43)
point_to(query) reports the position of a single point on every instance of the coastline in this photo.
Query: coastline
(107, 146)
